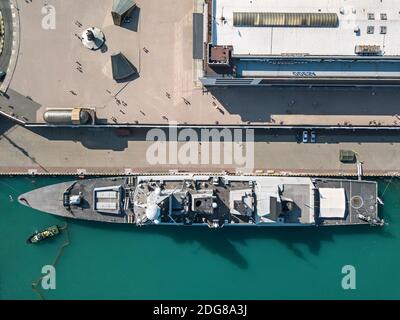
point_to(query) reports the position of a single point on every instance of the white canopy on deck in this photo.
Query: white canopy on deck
(332, 202)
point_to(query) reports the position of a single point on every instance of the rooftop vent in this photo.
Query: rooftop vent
(371, 16)
(368, 50)
(383, 29)
(383, 16)
(285, 19)
(370, 29)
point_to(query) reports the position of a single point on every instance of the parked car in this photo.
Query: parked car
(305, 136)
(313, 137)
(298, 137)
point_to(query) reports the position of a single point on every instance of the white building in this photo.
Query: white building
(302, 41)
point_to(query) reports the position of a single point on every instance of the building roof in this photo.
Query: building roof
(332, 203)
(307, 27)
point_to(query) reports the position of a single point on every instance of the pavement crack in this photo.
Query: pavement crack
(23, 151)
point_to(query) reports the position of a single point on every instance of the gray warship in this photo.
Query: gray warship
(213, 201)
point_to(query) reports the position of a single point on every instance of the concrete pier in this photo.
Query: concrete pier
(62, 151)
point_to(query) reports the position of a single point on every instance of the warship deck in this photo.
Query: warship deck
(50, 199)
(361, 198)
(346, 199)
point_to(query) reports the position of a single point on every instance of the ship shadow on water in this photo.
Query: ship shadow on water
(231, 243)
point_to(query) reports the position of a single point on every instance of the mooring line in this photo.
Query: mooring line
(387, 186)
(9, 186)
(67, 242)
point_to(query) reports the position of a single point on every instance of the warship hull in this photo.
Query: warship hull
(213, 201)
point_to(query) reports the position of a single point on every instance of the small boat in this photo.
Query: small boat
(50, 232)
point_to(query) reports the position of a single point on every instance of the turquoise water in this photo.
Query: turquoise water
(123, 262)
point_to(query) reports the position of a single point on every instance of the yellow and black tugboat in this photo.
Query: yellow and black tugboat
(50, 232)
